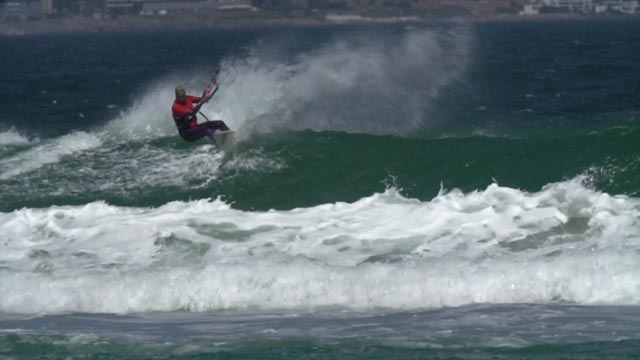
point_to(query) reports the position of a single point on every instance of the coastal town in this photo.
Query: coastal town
(27, 16)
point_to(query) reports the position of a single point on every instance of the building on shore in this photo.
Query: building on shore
(47, 6)
(163, 7)
(13, 10)
(582, 6)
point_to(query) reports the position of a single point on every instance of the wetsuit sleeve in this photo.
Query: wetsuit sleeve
(194, 99)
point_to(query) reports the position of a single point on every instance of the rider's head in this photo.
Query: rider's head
(181, 94)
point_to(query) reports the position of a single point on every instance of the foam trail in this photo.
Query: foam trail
(13, 137)
(47, 153)
(121, 170)
(500, 245)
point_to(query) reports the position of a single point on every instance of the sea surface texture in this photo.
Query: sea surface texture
(465, 191)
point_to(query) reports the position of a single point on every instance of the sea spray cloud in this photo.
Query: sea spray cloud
(356, 83)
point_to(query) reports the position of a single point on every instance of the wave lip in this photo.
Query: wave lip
(565, 243)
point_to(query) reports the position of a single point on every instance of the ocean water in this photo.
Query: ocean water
(464, 191)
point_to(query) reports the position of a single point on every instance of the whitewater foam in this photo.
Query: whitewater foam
(564, 243)
(13, 137)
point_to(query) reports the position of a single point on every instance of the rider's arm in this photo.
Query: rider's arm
(194, 99)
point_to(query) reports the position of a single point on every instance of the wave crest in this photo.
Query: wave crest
(563, 243)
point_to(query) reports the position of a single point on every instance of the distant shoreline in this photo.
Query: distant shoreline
(137, 23)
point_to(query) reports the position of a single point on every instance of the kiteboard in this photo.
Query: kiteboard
(225, 139)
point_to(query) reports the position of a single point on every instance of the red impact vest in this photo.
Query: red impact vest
(181, 113)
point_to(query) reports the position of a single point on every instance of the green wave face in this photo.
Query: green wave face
(299, 169)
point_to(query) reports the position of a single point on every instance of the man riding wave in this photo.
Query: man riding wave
(184, 115)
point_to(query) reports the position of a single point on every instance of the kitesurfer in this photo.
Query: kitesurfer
(184, 115)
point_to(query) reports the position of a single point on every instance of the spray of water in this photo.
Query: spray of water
(381, 85)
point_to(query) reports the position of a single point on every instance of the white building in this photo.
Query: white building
(24, 9)
(583, 6)
(623, 6)
(162, 7)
